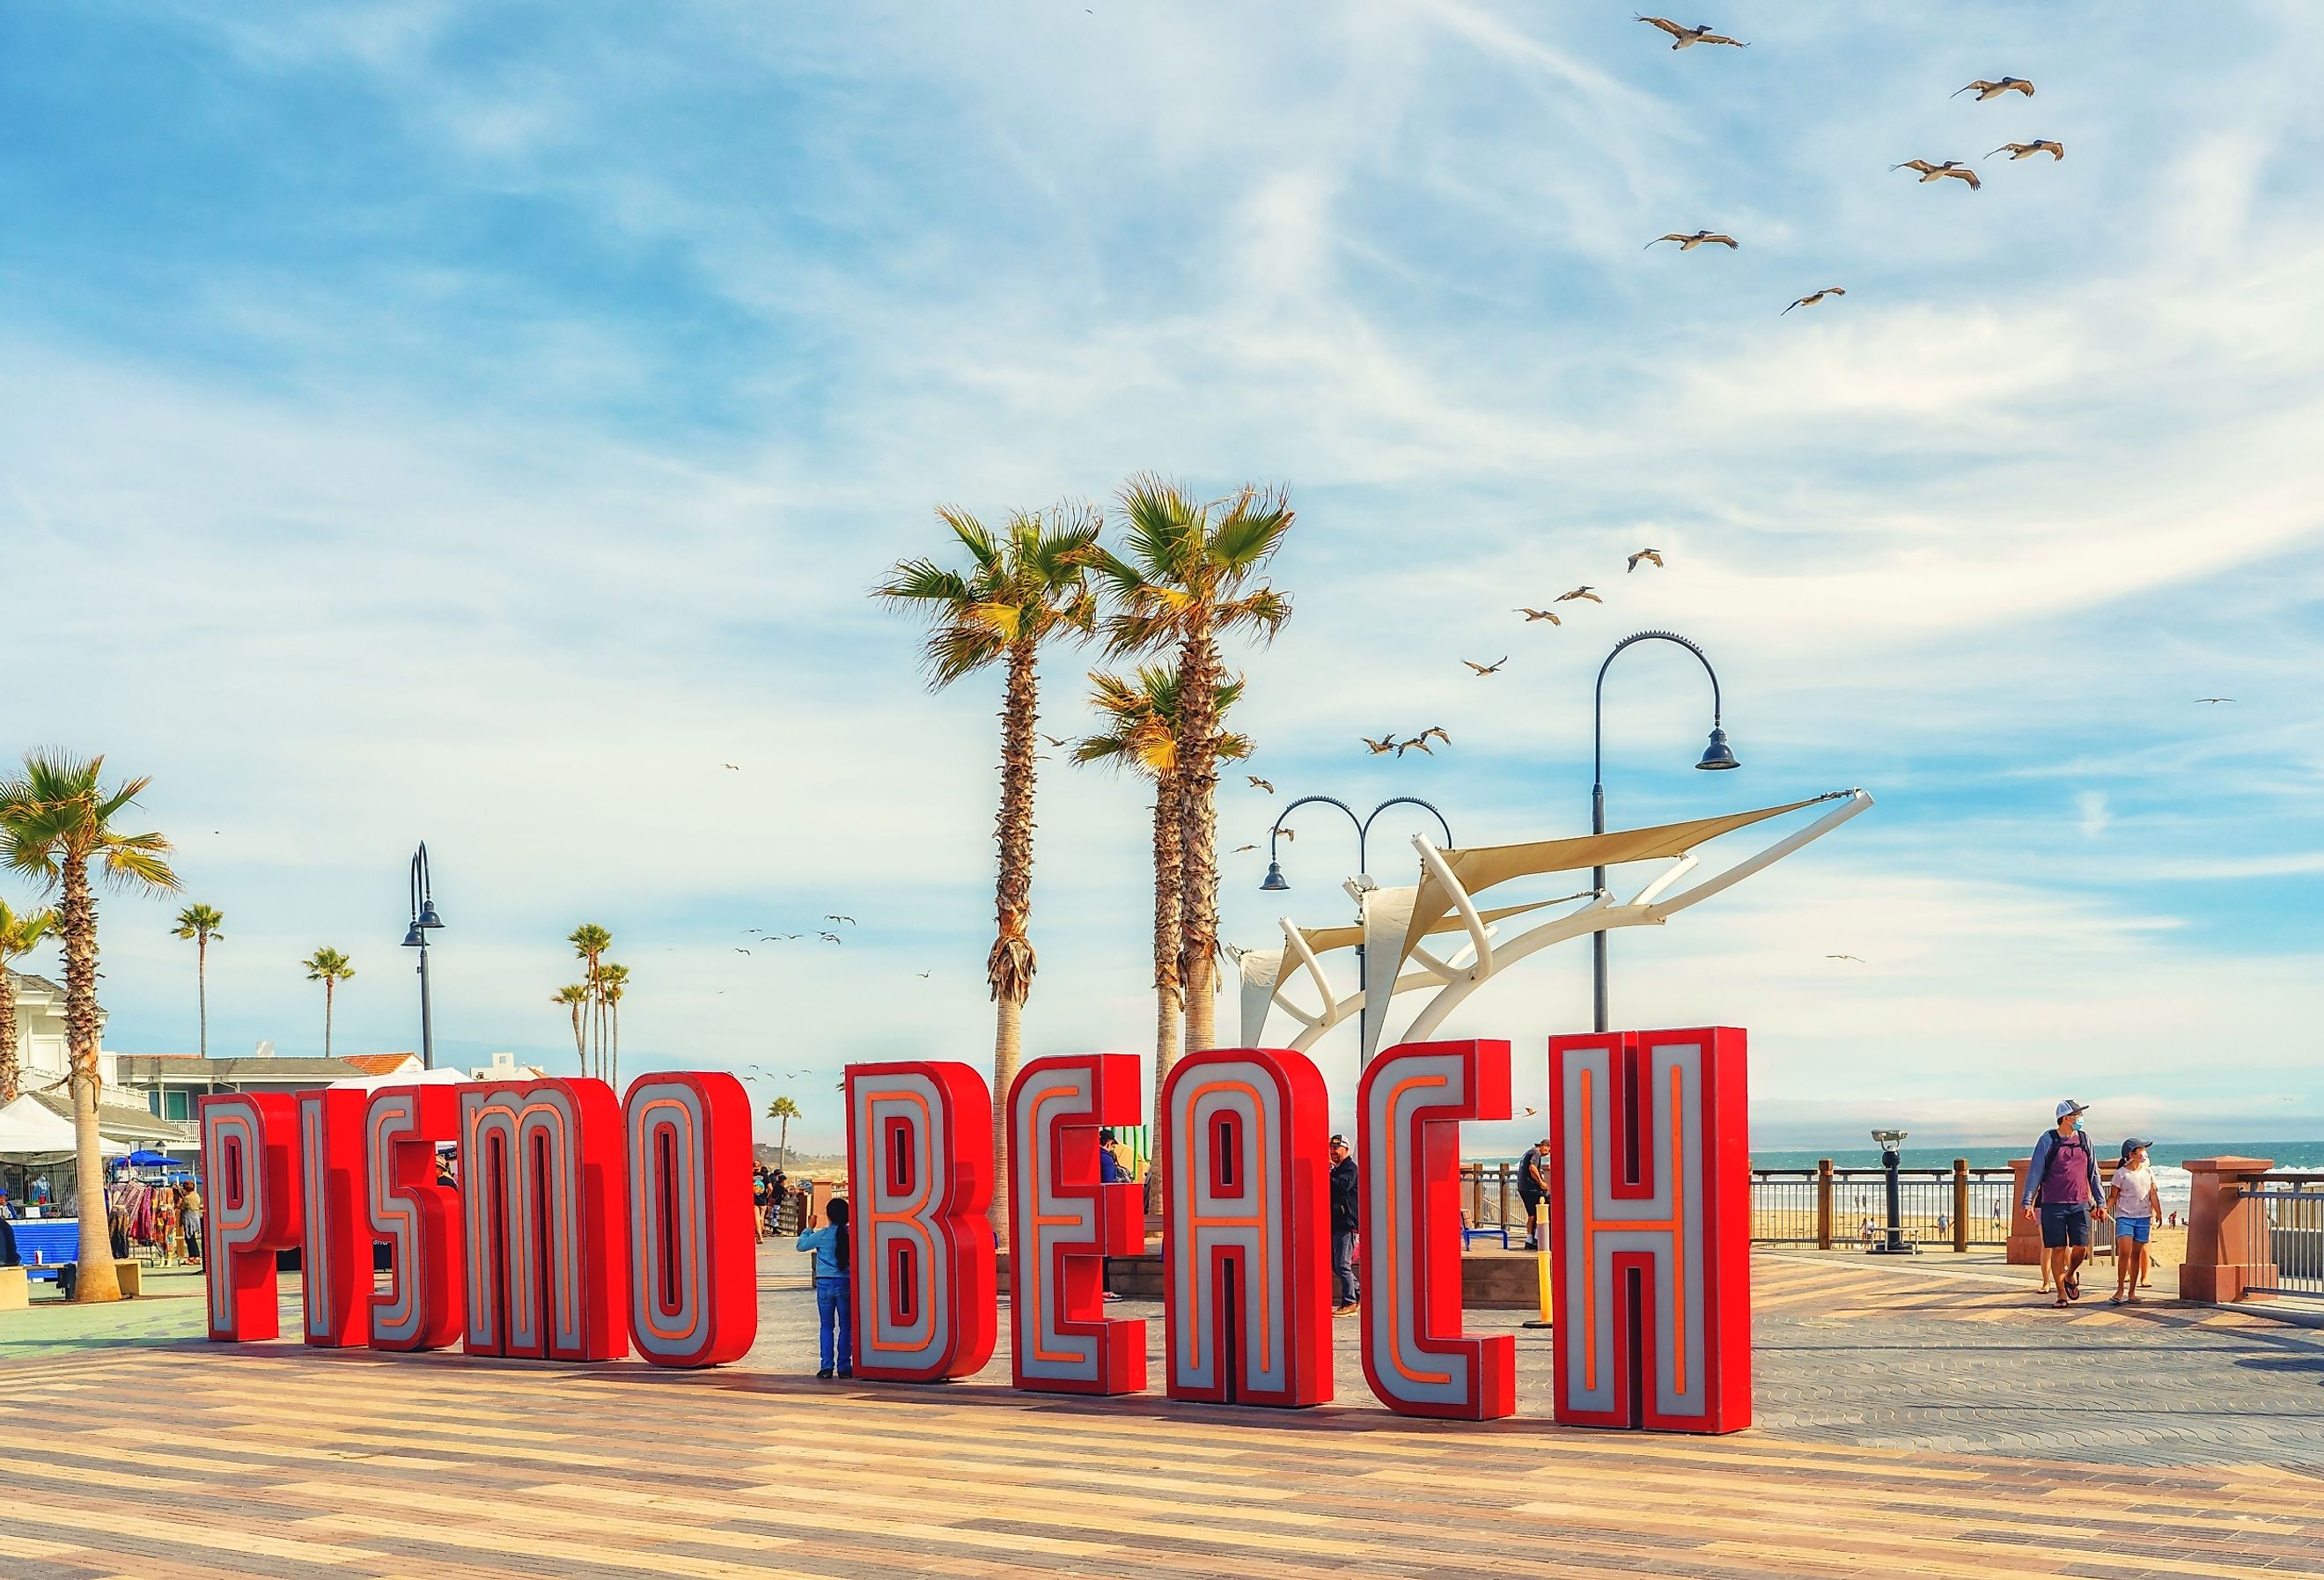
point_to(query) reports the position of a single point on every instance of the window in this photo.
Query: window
(176, 1103)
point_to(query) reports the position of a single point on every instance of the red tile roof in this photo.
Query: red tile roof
(377, 1064)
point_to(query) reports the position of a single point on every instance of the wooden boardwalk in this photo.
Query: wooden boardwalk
(187, 1459)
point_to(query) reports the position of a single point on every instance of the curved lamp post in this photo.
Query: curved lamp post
(424, 920)
(1714, 756)
(1276, 884)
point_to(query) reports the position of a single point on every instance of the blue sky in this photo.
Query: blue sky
(479, 423)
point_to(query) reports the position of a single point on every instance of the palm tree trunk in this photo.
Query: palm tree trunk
(1008, 970)
(94, 1279)
(11, 1072)
(615, 1067)
(327, 986)
(1167, 1006)
(1198, 899)
(202, 986)
(783, 1144)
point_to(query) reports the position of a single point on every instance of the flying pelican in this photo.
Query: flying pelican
(1491, 669)
(2017, 151)
(1260, 783)
(1653, 555)
(1580, 592)
(1813, 297)
(1420, 741)
(1684, 37)
(1986, 90)
(1533, 615)
(1932, 172)
(1687, 244)
(1385, 744)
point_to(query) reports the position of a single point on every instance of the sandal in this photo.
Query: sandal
(2061, 1303)
(2071, 1288)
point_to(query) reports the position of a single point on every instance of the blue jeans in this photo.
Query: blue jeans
(834, 1308)
(1344, 1288)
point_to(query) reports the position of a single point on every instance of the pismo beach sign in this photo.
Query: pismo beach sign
(585, 1227)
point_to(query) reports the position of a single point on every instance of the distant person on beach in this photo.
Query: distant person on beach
(2136, 1204)
(1347, 1293)
(2062, 1192)
(1533, 1187)
(835, 1292)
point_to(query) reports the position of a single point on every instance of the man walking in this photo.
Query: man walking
(2062, 1192)
(1346, 1294)
(1532, 1188)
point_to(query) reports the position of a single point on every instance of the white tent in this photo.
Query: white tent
(30, 1128)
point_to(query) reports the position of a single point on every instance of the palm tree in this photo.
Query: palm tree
(330, 968)
(574, 997)
(590, 942)
(202, 924)
(784, 1109)
(1189, 577)
(19, 935)
(613, 981)
(1141, 717)
(55, 819)
(1026, 585)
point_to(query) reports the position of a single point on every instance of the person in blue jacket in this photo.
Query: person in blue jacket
(834, 1287)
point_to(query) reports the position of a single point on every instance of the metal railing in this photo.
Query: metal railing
(2283, 1217)
(1942, 1209)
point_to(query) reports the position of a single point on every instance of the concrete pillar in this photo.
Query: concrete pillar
(2024, 1248)
(2228, 1249)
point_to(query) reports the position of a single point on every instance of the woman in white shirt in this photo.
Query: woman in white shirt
(2132, 1200)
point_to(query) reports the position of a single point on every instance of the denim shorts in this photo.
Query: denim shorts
(2065, 1224)
(2125, 1228)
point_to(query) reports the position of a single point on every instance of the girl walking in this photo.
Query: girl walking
(2132, 1197)
(835, 1291)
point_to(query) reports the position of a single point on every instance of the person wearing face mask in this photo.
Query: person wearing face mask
(2061, 1192)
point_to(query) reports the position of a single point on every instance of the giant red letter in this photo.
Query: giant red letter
(420, 1220)
(1409, 1107)
(1246, 1237)
(1651, 1252)
(334, 1263)
(694, 1286)
(250, 1164)
(1063, 1225)
(540, 1174)
(920, 1182)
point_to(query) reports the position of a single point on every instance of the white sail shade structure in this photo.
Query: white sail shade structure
(1399, 924)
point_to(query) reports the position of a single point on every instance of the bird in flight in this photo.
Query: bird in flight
(1421, 740)
(2215, 699)
(848, 919)
(1260, 783)
(1533, 615)
(1053, 740)
(1858, 958)
(734, 767)
(924, 976)
(1935, 172)
(741, 951)
(1580, 592)
(1813, 297)
(1238, 849)
(1291, 834)
(829, 938)
(2017, 151)
(1385, 744)
(1986, 90)
(1687, 244)
(1491, 669)
(1685, 37)
(1654, 556)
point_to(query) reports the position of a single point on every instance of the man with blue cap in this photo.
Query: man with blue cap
(2062, 1192)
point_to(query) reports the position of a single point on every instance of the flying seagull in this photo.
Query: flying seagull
(1581, 592)
(1986, 90)
(924, 976)
(741, 951)
(1053, 740)
(735, 766)
(1385, 744)
(1533, 615)
(1858, 958)
(1813, 297)
(1653, 555)
(1687, 244)
(2017, 151)
(1934, 173)
(1685, 37)
(848, 919)
(1260, 783)
(1493, 668)
(2215, 699)
(829, 938)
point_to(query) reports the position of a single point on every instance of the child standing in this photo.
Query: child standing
(2132, 1197)
(834, 1293)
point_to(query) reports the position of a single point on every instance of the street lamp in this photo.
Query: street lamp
(1276, 884)
(424, 920)
(1717, 755)
(1890, 1143)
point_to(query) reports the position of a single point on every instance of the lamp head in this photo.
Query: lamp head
(1274, 882)
(413, 941)
(1718, 754)
(428, 917)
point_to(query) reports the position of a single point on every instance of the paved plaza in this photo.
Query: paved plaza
(1922, 1417)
